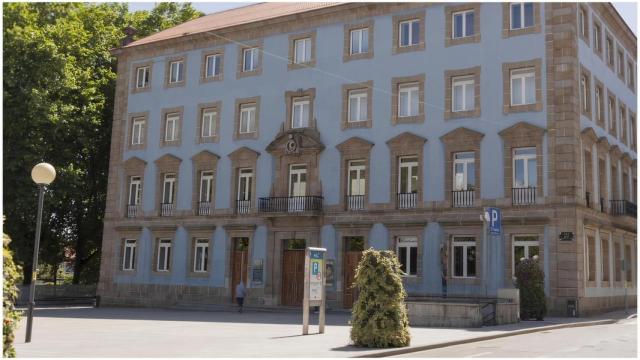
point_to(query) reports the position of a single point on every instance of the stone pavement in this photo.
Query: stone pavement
(142, 332)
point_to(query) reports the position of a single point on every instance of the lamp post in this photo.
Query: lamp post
(42, 174)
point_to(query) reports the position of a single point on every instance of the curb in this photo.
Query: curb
(487, 337)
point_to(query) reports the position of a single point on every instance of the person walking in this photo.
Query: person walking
(240, 294)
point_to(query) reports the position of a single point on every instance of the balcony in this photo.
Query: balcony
(243, 206)
(463, 198)
(406, 200)
(623, 207)
(354, 202)
(290, 204)
(166, 209)
(205, 208)
(132, 210)
(523, 196)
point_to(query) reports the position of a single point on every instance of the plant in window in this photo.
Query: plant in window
(379, 316)
(530, 282)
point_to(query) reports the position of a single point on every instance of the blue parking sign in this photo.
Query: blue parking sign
(495, 220)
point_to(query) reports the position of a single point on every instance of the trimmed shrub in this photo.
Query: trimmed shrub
(379, 316)
(530, 281)
(11, 317)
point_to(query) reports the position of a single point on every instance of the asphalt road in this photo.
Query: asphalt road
(615, 340)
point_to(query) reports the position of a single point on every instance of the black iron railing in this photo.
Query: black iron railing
(132, 210)
(243, 206)
(623, 207)
(166, 209)
(355, 202)
(463, 198)
(205, 208)
(523, 196)
(406, 200)
(587, 198)
(290, 204)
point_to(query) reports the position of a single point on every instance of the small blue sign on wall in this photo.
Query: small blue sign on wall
(495, 220)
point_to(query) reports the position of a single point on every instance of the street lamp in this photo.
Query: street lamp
(42, 174)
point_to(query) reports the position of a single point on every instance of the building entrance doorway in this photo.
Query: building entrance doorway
(354, 246)
(239, 262)
(293, 272)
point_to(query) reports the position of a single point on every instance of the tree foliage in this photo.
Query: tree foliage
(11, 317)
(379, 317)
(530, 281)
(58, 97)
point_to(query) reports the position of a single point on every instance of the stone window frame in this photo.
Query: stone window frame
(449, 75)
(471, 230)
(404, 229)
(606, 48)
(522, 135)
(129, 130)
(247, 45)
(289, 96)
(507, 32)
(203, 65)
(631, 75)
(585, 37)
(163, 233)
(588, 231)
(167, 71)
(632, 129)
(134, 233)
(457, 141)
(612, 118)
(397, 19)
(366, 86)
(512, 231)
(203, 161)
(243, 158)
(166, 164)
(608, 237)
(617, 240)
(217, 106)
(604, 183)
(346, 54)
(163, 121)
(236, 122)
(599, 85)
(134, 77)
(291, 65)
(629, 241)
(507, 67)
(623, 113)
(404, 145)
(133, 166)
(396, 82)
(354, 149)
(448, 16)
(197, 232)
(597, 23)
(621, 63)
(589, 106)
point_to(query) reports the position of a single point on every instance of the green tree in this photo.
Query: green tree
(11, 317)
(58, 97)
(530, 281)
(379, 316)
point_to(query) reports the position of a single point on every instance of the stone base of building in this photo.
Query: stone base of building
(589, 306)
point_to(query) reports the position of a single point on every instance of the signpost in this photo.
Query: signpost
(314, 289)
(494, 218)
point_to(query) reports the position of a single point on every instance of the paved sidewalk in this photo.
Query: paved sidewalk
(139, 332)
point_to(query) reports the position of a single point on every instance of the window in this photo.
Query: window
(632, 131)
(302, 51)
(524, 168)
(631, 73)
(245, 179)
(621, 63)
(524, 246)
(464, 173)
(627, 263)
(250, 59)
(357, 105)
(208, 122)
(357, 178)
(168, 189)
(409, 32)
(523, 86)
(212, 65)
(247, 118)
(408, 100)
(129, 258)
(408, 175)
(612, 114)
(137, 130)
(521, 15)
(201, 258)
(462, 93)
(597, 38)
(582, 23)
(584, 92)
(617, 261)
(462, 24)
(206, 186)
(604, 241)
(135, 190)
(591, 257)
(407, 250)
(464, 256)
(300, 113)
(176, 71)
(610, 59)
(164, 255)
(599, 105)
(171, 127)
(142, 77)
(359, 43)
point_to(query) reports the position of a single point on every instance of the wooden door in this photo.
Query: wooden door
(293, 273)
(352, 255)
(239, 263)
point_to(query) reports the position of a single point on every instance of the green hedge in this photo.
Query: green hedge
(11, 317)
(379, 316)
(530, 281)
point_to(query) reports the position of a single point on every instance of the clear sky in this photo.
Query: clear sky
(628, 10)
